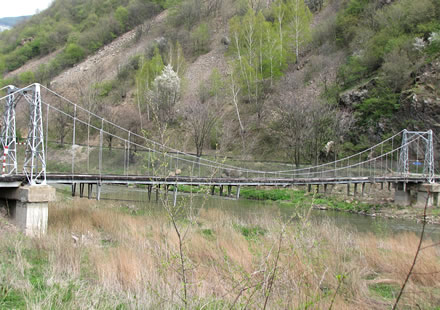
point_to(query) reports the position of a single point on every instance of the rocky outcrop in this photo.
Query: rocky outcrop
(422, 100)
(352, 97)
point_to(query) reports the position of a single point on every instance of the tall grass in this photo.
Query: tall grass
(95, 256)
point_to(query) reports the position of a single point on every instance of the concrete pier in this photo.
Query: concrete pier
(28, 207)
(416, 194)
(427, 193)
(402, 194)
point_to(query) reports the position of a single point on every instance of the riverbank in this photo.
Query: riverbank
(97, 255)
(377, 203)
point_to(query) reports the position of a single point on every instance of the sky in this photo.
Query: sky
(12, 8)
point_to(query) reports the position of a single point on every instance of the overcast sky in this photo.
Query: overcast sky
(11, 8)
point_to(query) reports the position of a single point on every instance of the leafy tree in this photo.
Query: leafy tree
(147, 72)
(200, 38)
(298, 20)
(121, 15)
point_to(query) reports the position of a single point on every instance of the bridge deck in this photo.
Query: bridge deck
(15, 180)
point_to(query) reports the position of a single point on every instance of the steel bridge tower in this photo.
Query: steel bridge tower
(404, 159)
(35, 160)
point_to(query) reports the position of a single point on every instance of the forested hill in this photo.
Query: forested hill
(269, 78)
(78, 28)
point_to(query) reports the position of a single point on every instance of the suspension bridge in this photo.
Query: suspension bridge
(66, 143)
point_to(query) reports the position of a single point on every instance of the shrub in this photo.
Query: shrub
(72, 54)
(200, 39)
(26, 78)
(186, 13)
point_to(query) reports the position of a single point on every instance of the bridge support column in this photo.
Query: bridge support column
(221, 190)
(402, 195)
(309, 188)
(149, 189)
(157, 193)
(213, 190)
(81, 190)
(89, 190)
(355, 189)
(28, 207)
(427, 193)
(325, 188)
(98, 191)
(348, 189)
(229, 190)
(363, 189)
(73, 189)
(238, 192)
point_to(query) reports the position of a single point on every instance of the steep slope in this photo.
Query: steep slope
(109, 58)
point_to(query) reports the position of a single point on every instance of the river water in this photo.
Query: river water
(242, 208)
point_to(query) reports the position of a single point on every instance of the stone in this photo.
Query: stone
(225, 41)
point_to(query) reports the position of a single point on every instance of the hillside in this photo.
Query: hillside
(279, 79)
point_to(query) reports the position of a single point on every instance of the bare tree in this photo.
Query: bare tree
(292, 127)
(201, 118)
(304, 127)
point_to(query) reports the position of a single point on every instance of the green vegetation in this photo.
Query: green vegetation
(262, 47)
(389, 42)
(387, 291)
(77, 28)
(251, 232)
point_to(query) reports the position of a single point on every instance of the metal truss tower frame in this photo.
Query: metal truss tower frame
(428, 165)
(8, 132)
(35, 158)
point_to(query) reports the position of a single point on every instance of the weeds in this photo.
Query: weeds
(125, 261)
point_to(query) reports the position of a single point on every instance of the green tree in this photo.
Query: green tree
(200, 38)
(298, 20)
(145, 75)
(121, 15)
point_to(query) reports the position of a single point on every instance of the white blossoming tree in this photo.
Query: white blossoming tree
(164, 94)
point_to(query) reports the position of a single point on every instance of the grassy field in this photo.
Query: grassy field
(97, 256)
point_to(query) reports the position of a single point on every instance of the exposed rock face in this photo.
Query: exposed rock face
(353, 97)
(422, 100)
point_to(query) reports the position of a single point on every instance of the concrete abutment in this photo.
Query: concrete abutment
(416, 194)
(28, 207)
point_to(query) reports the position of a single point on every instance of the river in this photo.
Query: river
(242, 208)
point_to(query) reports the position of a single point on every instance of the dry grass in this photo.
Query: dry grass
(120, 259)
